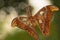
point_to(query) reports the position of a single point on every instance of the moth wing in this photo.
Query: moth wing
(32, 32)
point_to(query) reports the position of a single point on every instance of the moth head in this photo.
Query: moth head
(14, 22)
(53, 8)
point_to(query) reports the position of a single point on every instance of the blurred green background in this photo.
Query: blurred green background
(19, 34)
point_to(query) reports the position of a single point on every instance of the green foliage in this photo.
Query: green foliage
(19, 35)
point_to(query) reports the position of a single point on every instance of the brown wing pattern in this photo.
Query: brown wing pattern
(42, 17)
(23, 26)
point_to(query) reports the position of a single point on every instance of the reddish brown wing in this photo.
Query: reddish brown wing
(48, 16)
(23, 26)
(32, 32)
(43, 18)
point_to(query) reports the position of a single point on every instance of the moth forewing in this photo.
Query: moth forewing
(53, 8)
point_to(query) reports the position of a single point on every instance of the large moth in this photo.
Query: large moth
(42, 18)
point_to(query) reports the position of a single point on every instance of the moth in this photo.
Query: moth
(42, 18)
